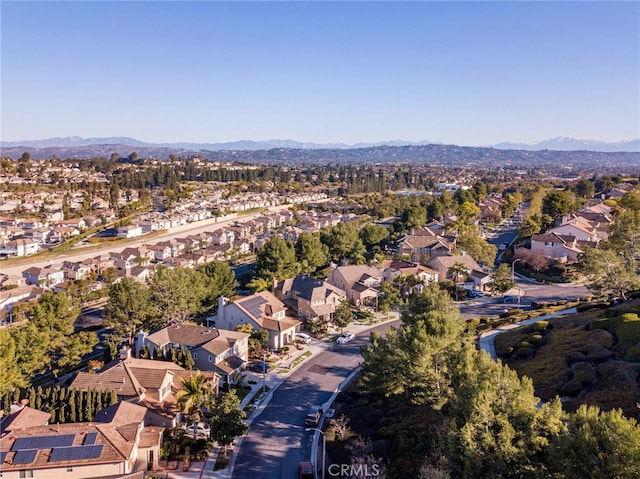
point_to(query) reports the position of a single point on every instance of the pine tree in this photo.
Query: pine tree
(38, 400)
(73, 417)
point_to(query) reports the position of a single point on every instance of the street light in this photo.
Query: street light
(324, 447)
(513, 275)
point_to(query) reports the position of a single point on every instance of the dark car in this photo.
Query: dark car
(312, 419)
(508, 299)
(260, 367)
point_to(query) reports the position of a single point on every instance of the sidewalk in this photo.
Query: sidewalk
(273, 380)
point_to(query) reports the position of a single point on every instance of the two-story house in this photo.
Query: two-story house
(149, 383)
(220, 351)
(359, 282)
(263, 311)
(310, 298)
(115, 444)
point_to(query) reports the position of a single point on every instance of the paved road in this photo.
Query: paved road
(529, 290)
(277, 440)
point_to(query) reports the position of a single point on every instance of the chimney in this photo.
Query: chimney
(125, 353)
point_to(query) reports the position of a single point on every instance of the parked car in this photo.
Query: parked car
(474, 293)
(312, 419)
(345, 338)
(539, 304)
(305, 470)
(202, 429)
(303, 338)
(508, 299)
(260, 367)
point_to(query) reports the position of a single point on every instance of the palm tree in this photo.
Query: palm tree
(196, 392)
(457, 270)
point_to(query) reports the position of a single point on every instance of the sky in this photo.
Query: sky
(466, 73)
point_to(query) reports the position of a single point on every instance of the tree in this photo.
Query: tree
(501, 280)
(373, 235)
(597, 444)
(10, 374)
(227, 422)
(261, 336)
(497, 427)
(110, 275)
(219, 280)
(585, 189)
(54, 315)
(128, 308)
(196, 392)
(310, 252)
(343, 315)
(556, 203)
(624, 237)
(390, 297)
(276, 260)
(413, 361)
(459, 271)
(178, 294)
(470, 240)
(608, 273)
(343, 241)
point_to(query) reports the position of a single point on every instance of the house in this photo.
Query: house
(582, 229)
(47, 275)
(20, 294)
(129, 231)
(312, 299)
(359, 282)
(99, 263)
(444, 264)
(220, 351)
(421, 248)
(77, 223)
(18, 248)
(263, 311)
(558, 247)
(149, 383)
(161, 252)
(75, 271)
(114, 444)
(396, 268)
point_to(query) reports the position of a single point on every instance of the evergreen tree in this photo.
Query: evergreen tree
(227, 422)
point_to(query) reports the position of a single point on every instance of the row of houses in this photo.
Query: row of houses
(567, 241)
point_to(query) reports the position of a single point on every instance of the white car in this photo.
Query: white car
(202, 429)
(345, 338)
(303, 338)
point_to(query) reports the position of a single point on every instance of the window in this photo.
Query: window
(70, 469)
(210, 358)
(195, 356)
(26, 473)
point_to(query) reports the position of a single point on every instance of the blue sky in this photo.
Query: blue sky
(469, 73)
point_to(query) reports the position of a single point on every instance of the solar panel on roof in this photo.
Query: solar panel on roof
(42, 442)
(75, 453)
(253, 306)
(90, 438)
(3, 454)
(25, 456)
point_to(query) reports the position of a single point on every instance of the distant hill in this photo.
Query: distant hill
(431, 154)
(558, 144)
(564, 143)
(75, 141)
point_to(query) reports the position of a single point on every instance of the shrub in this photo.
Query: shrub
(540, 326)
(571, 388)
(600, 356)
(524, 352)
(535, 339)
(584, 372)
(574, 357)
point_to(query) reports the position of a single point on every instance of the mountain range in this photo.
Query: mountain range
(557, 144)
